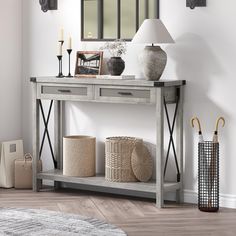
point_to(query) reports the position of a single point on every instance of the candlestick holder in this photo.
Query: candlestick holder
(62, 42)
(60, 74)
(69, 53)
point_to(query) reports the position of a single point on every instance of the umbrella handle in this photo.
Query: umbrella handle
(218, 121)
(198, 122)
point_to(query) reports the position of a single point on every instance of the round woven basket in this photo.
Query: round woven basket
(79, 156)
(118, 159)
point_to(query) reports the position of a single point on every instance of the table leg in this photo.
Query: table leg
(179, 142)
(58, 137)
(36, 182)
(159, 148)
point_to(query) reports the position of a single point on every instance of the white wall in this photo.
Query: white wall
(10, 70)
(204, 55)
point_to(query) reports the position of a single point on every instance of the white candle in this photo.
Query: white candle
(59, 49)
(70, 43)
(61, 38)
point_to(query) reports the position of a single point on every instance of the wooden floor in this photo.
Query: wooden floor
(135, 216)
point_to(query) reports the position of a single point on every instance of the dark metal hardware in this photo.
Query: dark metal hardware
(137, 15)
(118, 19)
(48, 5)
(171, 141)
(64, 90)
(100, 17)
(195, 3)
(32, 79)
(125, 93)
(46, 132)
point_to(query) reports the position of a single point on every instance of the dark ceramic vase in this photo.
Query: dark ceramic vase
(116, 65)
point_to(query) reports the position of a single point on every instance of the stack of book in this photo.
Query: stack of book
(125, 77)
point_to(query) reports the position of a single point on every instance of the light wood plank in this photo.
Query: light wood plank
(136, 217)
(115, 208)
(83, 206)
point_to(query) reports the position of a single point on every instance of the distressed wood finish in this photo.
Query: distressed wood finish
(94, 93)
(145, 95)
(92, 81)
(116, 91)
(36, 182)
(179, 147)
(98, 183)
(159, 148)
(58, 136)
(62, 92)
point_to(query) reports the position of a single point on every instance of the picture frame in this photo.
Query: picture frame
(88, 64)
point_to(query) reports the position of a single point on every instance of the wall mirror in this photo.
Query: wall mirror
(107, 20)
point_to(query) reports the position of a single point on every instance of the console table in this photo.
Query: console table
(158, 93)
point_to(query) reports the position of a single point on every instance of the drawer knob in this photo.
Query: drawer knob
(64, 90)
(125, 93)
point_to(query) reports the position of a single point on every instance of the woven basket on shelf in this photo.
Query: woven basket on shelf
(118, 159)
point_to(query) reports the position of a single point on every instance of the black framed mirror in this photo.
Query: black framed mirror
(107, 20)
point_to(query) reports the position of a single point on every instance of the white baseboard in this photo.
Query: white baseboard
(190, 196)
(226, 200)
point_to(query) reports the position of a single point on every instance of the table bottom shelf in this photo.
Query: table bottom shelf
(99, 184)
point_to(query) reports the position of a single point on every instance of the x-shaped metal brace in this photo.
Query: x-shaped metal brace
(46, 132)
(171, 140)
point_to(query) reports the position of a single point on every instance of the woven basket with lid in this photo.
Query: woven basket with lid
(118, 159)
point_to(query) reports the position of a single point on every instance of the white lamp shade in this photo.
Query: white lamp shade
(152, 31)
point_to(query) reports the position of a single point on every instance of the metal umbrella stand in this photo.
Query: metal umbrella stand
(208, 172)
(208, 176)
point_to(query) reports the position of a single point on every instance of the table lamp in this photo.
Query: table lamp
(153, 59)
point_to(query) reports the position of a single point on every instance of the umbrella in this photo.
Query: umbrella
(215, 136)
(201, 140)
(204, 161)
(212, 172)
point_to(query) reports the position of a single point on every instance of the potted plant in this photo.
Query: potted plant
(115, 64)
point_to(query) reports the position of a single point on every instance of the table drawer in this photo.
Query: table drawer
(124, 94)
(64, 92)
